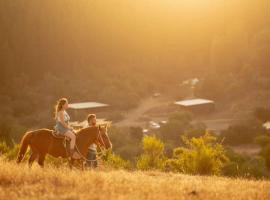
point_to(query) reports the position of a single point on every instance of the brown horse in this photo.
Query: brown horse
(43, 142)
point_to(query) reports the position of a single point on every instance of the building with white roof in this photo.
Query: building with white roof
(81, 110)
(87, 105)
(197, 105)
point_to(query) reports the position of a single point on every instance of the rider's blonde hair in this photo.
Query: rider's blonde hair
(59, 106)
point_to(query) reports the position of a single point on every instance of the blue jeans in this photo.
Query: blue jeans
(92, 155)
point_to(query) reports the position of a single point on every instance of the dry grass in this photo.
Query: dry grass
(20, 182)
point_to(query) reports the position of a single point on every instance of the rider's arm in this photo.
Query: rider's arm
(62, 119)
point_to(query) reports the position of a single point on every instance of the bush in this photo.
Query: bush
(265, 153)
(126, 141)
(153, 156)
(245, 166)
(12, 152)
(5, 132)
(3, 148)
(262, 140)
(116, 162)
(201, 156)
(177, 124)
(242, 134)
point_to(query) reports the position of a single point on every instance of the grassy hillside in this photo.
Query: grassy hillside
(20, 182)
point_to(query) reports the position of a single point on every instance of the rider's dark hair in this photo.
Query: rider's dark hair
(90, 117)
(59, 105)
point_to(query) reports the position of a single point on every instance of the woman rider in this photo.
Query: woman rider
(62, 123)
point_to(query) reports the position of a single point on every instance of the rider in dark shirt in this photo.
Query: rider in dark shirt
(92, 150)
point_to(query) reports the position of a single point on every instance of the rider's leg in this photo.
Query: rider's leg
(72, 137)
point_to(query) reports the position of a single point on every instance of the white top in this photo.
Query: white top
(66, 116)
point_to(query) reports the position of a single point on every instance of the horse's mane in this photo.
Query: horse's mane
(87, 129)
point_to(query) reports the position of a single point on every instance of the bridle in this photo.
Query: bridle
(101, 146)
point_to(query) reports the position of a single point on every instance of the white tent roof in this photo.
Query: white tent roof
(87, 105)
(193, 102)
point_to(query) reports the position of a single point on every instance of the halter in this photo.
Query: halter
(102, 150)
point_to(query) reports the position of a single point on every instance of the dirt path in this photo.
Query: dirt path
(158, 109)
(139, 116)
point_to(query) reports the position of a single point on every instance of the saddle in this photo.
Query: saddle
(66, 140)
(58, 135)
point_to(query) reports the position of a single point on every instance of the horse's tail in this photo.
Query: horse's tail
(24, 145)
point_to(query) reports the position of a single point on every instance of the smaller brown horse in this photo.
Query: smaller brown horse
(43, 142)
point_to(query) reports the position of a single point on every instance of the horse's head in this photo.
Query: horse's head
(103, 139)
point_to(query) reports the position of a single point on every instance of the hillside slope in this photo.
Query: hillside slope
(20, 182)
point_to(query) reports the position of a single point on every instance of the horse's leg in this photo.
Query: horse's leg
(41, 159)
(82, 164)
(32, 158)
(71, 162)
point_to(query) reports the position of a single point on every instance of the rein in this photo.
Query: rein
(99, 155)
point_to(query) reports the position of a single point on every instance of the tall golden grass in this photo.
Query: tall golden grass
(20, 182)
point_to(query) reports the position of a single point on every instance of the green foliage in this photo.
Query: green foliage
(153, 154)
(3, 148)
(10, 130)
(242, 134)
(185, 117)
(201, 156)
(12, 152)
(126, 141)
(5, 132)
(266, 154)
(116, 162)
(262, 114)
(9, 152)
(245, 166)
(177, 124)
(262, 140)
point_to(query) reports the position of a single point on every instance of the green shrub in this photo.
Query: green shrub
(12, 153)
(126, 141)
(5, 132)
(265, 153)
(244, 166)
(3, 148)
(242, 134)
(177, 124)
(262, 140)
(153, 154)
(201, 156)
(116, 162)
